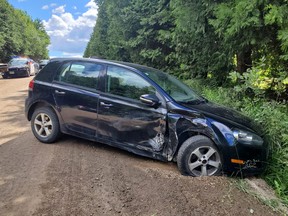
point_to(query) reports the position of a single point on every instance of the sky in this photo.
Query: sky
(69, 23)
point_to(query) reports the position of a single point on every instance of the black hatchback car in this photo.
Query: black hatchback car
(144, 111)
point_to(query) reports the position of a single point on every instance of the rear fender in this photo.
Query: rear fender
(38, 104)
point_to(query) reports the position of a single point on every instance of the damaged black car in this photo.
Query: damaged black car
(144, 111)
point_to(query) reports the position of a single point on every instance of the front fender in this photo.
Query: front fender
(181, 127)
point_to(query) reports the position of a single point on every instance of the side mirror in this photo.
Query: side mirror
(150, 100)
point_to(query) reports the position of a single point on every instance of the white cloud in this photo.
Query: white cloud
(74, 7)
(91, 4)
(70, 34)
(73, 54)
(59, 10)
(45, 7)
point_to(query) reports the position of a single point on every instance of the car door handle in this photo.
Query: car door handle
(60, 92)
(105, 104)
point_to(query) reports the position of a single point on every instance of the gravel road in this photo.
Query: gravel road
(79, 177)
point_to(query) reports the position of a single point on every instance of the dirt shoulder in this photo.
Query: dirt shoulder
(79, 177)
(12, 97)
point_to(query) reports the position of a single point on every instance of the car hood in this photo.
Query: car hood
(225, 115)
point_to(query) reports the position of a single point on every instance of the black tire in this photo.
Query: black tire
(198, 156)
(5, 76)
(45, 125)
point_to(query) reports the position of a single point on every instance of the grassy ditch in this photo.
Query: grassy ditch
(273, 117)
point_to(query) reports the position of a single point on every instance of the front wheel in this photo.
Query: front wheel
(198, 156)
(45, 125)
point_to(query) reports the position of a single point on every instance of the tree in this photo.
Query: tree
(20, 35)
(256, 32)
(198, 50)
(137, 31)
(196, 38)
(98, 42)
(149, 39)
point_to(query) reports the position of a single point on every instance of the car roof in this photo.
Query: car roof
(104, 61)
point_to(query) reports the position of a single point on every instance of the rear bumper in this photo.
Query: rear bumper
(27, 107)
(15, 73)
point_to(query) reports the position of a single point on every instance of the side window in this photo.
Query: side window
(85, 74)
(123, 82)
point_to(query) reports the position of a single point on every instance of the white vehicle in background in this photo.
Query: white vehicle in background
(21, 67)
(3, 67)
(43, 63)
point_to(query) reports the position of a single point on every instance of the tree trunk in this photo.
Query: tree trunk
(244, 61)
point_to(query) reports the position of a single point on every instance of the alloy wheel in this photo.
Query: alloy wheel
(43, 125)
(204, 161)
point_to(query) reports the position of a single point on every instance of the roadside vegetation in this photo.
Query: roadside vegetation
(270, 114)
(233, 52)
(20, 35)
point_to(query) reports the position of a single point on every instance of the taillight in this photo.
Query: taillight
(31, 85)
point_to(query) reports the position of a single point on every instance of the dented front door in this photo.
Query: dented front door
(123, 119)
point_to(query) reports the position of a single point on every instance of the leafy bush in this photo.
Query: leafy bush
(261, 81)
(272, 115)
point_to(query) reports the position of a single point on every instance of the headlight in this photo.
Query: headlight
(246, 137)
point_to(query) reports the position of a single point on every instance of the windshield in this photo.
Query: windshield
(175, 88)
(44, 61)
(18, 62)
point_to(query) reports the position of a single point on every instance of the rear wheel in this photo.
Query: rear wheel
(198, 156)
(5, 76)
(45, 125)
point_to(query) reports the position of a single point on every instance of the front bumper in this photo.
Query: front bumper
(246, 160)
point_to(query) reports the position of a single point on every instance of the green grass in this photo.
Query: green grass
(272, 116)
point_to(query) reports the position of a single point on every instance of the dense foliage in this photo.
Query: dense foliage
(241, 45)
(198, 38)
(20, 35)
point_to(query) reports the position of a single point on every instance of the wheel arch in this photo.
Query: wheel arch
(40, 104)
(185, 129)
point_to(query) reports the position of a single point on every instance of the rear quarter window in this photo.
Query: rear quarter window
(47, 73)
(81, 73)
